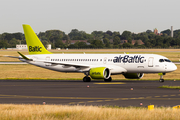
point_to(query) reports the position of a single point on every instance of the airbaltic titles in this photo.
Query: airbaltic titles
(129, 59)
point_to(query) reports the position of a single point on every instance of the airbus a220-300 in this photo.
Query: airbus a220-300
(95, 66)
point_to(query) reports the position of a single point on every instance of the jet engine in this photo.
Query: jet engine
(99, 73)
(133, 75)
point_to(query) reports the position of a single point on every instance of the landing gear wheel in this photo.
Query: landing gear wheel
(161, 80)
(86, 79)
(108, 80)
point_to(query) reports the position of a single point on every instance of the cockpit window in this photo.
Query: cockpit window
(161, 60)
(164, 60)
(167, 60)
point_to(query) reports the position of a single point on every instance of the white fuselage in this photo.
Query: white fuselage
(117, 63)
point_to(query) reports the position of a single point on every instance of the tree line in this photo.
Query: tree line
(97, 39)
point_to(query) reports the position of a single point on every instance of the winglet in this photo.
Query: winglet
(24, 57)
(34, 44)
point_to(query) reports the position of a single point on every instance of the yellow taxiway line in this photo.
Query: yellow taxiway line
(110, 83)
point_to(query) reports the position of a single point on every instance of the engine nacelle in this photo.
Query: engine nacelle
(133, 75)
(99, 73)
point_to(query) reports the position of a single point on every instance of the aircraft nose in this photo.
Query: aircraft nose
(172, 67)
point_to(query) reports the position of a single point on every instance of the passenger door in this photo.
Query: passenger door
(150, 61)
(47, 60)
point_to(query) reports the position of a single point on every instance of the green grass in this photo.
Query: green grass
(170, 87)
(30, 72)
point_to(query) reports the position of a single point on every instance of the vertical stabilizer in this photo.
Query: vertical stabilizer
(34, 44)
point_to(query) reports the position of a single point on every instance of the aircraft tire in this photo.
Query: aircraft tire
(86, 79)
(108, 80)
(161, 80)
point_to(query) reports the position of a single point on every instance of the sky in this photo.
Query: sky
(89, 15)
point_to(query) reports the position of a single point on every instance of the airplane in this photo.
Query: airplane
(95, 66)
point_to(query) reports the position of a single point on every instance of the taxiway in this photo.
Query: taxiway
(116, 93)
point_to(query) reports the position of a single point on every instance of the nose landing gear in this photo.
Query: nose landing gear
(161, 80)
(161, 77)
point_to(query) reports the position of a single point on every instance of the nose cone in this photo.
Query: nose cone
(172, 67)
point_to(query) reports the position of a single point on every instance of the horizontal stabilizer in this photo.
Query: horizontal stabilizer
(11, 56)
(24, 57)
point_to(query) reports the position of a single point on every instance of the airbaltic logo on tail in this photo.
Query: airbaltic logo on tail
(35, 49)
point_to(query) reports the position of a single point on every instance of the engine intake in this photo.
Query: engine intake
(99, 73)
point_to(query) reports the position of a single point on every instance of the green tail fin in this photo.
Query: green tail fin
(34, 44)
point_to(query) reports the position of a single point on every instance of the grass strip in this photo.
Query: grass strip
(77, 112)
(170, 87)
(26, 71)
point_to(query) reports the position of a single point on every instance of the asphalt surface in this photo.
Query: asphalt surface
(118, 93)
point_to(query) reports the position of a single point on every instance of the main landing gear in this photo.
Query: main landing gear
(161, 77)
(86, 79)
